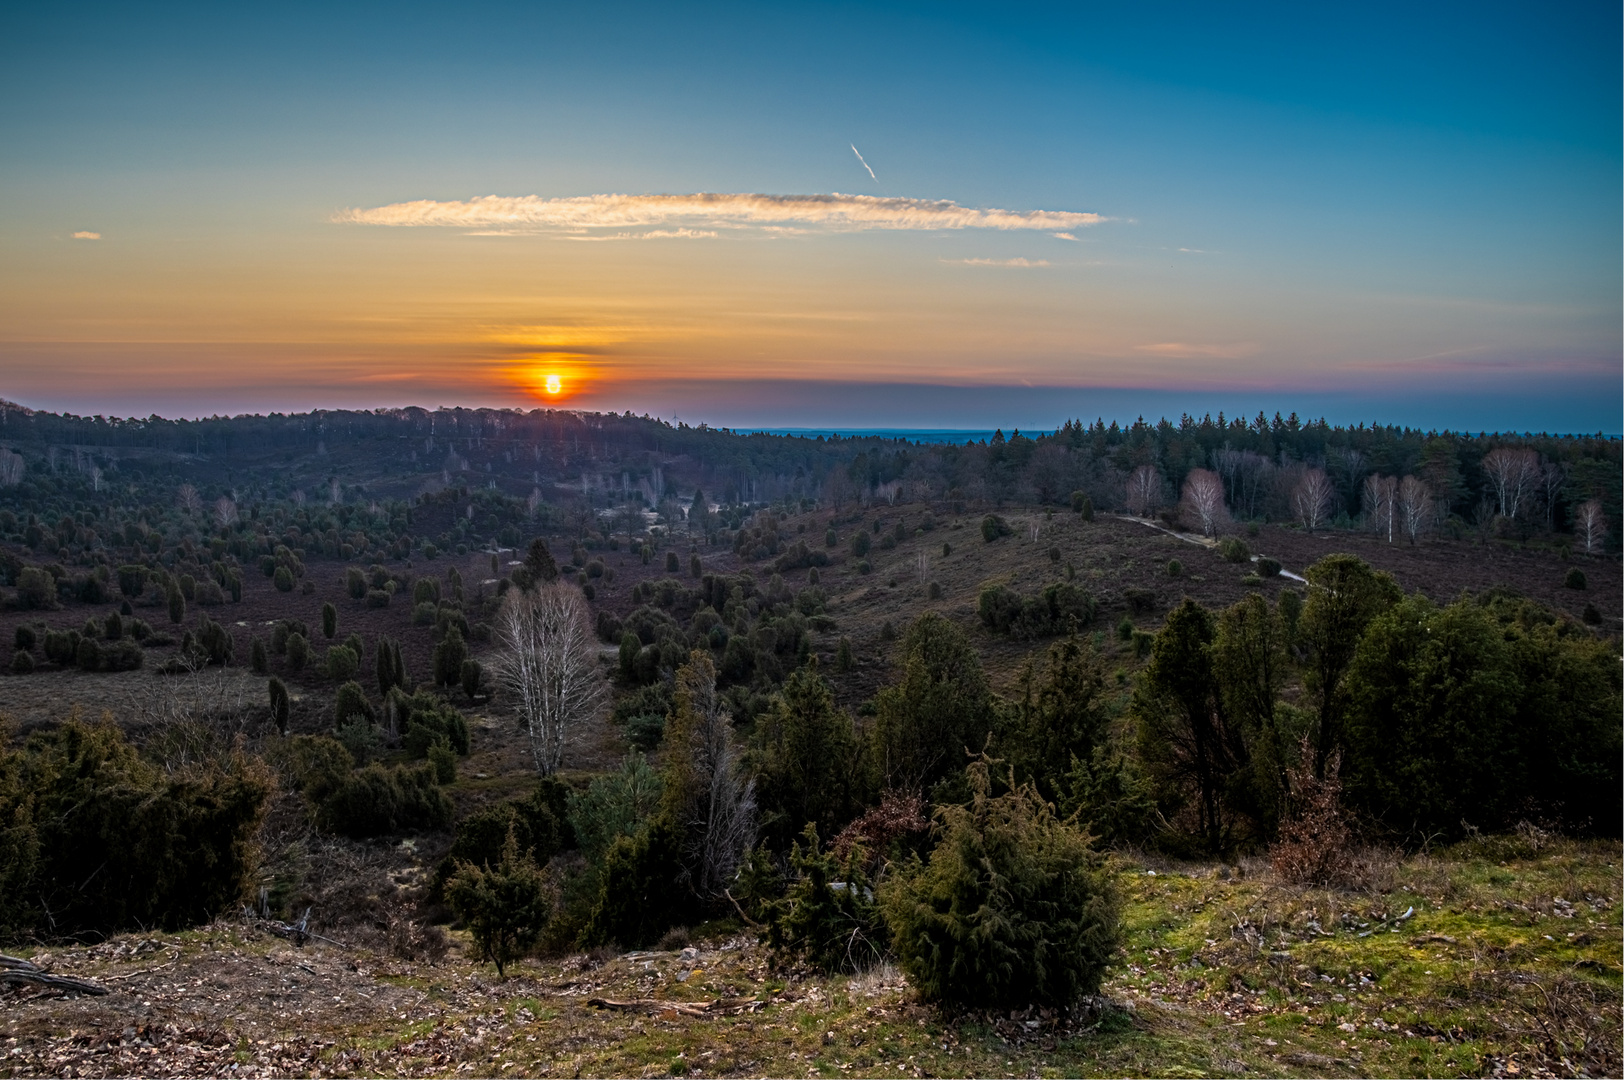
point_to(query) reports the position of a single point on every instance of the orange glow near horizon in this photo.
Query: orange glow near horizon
(554, 384)
(550, 380)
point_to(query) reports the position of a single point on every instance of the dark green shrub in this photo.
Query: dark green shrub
(177, 606)
(618, 805)
(1124, 630)
(505, 906)
(341, 663)
(280, 704)
(377, 598)
(1014, 908)
(215, 643)
(993, 527)
(23, 638)
(1574, 579)
(1267, 567)
(472, 673)
(1233, 549)
(22, 663)
(122, 655)
(298, 652)
(132, 580)
(36, 589)
(313, 765)
(283, 579)
(444, 760)
(933, 591)
(860, 544)
(329, 621)
(375, 801)
(448, 657)
(426, 719)
(844, 661)
(1058, 609)
(828, 917)
(88, 655)
(639, 897)
(351, 705)
(355, 583)
(98, 840)
(1174, 568)
(113, 628)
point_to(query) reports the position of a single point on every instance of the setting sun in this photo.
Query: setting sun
(554, 383)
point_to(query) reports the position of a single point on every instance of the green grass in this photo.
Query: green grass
(1500, 956)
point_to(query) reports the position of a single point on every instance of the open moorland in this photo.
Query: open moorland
(1310, 796)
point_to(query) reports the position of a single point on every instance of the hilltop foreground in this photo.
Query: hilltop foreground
(1494, 958)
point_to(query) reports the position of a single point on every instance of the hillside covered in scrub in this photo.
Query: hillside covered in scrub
(557, 740)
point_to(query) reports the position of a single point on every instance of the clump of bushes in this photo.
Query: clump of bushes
(1058, 609)
(994, 527)
(375, 801)
(97, 839)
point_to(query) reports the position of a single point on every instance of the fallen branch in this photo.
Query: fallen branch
(748, 920)
(55, 982)
(719, 1007)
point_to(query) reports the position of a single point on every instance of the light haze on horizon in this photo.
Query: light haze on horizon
(906, 216)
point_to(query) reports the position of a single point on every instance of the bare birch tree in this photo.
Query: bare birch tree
(1414, 507)
(1312, 499)
(1144, 490)
(1553, 477)
(1381, 493)
(549, 661)
(187, 499)
(707, 791)
(1514, 475)
(1590, 524)
(1204, 500)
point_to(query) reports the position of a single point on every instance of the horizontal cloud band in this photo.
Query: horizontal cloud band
(622, 211)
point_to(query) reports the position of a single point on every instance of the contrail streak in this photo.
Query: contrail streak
(871, 175)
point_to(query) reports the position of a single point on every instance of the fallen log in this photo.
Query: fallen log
(719, 1007)
(55, 982)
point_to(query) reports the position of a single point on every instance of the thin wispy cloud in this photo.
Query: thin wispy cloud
(830, 212)
(87, 236)
(1186, 350)
(655, 234)
(1016, 263)
(1064, 236)
(871, 175)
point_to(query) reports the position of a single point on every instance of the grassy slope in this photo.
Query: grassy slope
(1507, 965)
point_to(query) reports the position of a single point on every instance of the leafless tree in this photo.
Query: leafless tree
(549, 661)
(1590, 523)
(1514, 475)
(225, 511)
(1415, 506)
(1312, 499)
(838, 490)
(1204, 500)
(1144, 490)
(1347, 468)
(11, 468)
(706, 785)
(1245, 475)
(1553, 477)
(186, 497)
(1381, 495)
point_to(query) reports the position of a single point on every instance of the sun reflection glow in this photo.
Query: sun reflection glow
(554, 383)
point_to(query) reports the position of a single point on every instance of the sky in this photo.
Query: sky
(847, 216)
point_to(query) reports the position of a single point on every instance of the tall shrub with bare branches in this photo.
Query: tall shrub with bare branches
(1204, 500)
(1312, 499)
(708, 797)
(549, 661)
